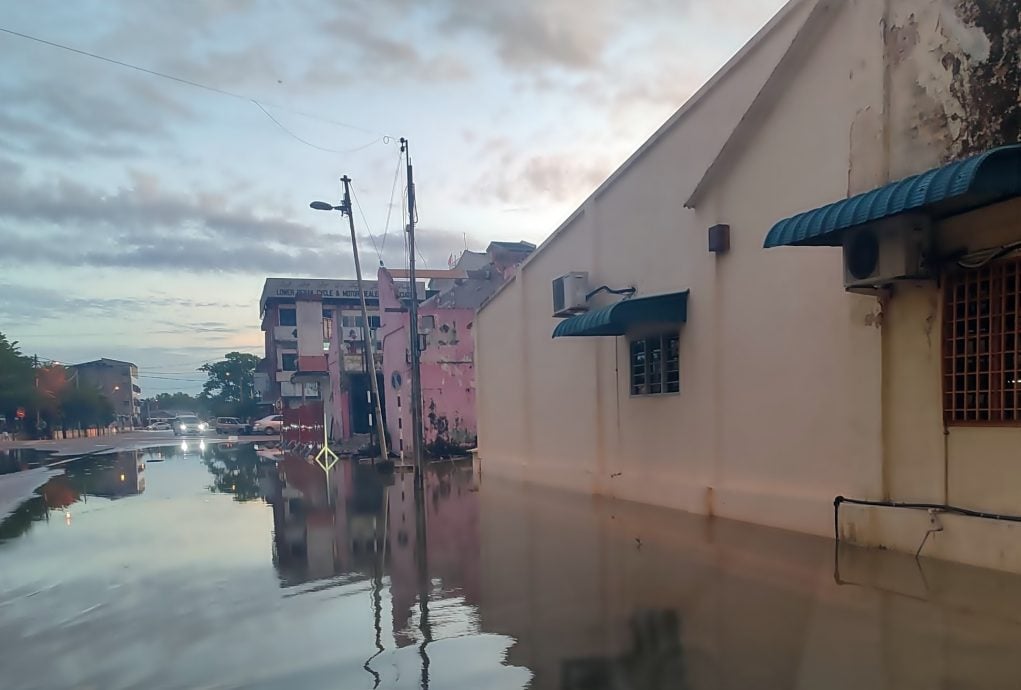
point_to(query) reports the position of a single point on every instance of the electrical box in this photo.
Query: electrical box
(570, 294)
(883, 253)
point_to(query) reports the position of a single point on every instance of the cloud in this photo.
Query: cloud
(108, 115)
(41, 303)
(147, 226)
(566, 176)
(538, 33)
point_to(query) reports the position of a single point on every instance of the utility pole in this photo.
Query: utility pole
(416, 355)
(35, 370)
(369, 345)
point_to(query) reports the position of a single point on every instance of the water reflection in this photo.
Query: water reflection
(357, 580)
(112, 477)
(21, 459)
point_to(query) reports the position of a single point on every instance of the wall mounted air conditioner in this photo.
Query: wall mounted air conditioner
(569, 294)
(883, 253)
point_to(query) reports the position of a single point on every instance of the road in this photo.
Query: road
(130, 440)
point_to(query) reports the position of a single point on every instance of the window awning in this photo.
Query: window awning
(615, 319)
(953, 189)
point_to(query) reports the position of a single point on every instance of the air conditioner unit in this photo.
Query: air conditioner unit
(569, 294)
(880, 254)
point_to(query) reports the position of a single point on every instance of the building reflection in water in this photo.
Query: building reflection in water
(367, 525)
(113, 476)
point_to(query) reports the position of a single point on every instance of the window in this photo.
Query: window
(373, 322)
(350, 321)
(327, 313)
(982, 345)
(655, 365)
(288, 316)
(289, 362)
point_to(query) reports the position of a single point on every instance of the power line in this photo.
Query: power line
(390, 204)
(187, 82)
(305, 141)
(365, 222)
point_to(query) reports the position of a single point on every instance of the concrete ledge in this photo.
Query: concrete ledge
(974, 541)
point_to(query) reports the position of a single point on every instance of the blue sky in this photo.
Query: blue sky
(139, 216)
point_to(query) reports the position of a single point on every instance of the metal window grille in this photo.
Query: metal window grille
(981, 376)
(655, 365)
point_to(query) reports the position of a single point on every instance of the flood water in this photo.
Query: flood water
(215, 568)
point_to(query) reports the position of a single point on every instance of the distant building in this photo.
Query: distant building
(447, 345)
(118, 382)
(315, 347)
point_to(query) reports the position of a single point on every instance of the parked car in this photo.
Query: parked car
(159, 426)
(188, 424)
(231, 425)
(268, 425)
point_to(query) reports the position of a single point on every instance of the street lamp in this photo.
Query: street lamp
(345, 208)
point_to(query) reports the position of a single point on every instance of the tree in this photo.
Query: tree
(84, 406)
(17, 379)
(230, 386)
(177, 402)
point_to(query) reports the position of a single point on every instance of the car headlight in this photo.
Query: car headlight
(202, 426)
(181, 427)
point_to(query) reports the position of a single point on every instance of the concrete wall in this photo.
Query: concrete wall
(792, 391)
(447, 366)
(765, 340)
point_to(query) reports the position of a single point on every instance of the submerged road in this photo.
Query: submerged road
(176, 567)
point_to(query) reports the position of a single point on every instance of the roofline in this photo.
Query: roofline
(689, 105)
(805, 38)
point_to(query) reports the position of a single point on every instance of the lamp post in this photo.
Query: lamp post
(345, 208)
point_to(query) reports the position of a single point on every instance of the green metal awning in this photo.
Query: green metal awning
(953, 189)
(616, 318)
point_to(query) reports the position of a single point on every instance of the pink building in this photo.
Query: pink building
(315, 348)
(446, 342)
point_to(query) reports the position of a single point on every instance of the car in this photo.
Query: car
(270, 425)
(230, 425)
(159, 426)
(188, 424)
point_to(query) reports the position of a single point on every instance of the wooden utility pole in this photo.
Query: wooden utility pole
(416, 354)
(369, 345)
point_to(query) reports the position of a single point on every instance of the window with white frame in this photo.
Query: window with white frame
(656, 364)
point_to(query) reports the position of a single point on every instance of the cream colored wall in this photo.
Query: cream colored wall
(799, 359)
(972, 467)
(559, 412)
(792, 391)
(760, 356)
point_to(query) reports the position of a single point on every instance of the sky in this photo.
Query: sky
(140, 215)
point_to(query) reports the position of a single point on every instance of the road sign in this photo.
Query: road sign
(20, 414)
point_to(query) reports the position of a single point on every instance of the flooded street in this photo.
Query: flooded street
(215, 568)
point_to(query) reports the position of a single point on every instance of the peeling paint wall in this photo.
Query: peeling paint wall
(954, 79)
(448, 372)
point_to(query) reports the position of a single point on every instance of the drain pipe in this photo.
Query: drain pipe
(932, 507)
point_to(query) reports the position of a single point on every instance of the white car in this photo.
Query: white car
(268, 425)
(159, 426)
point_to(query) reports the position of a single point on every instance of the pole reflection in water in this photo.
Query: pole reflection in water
(190, 579)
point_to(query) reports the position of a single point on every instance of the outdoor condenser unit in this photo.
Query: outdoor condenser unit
(880, 254)
(569, 294)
